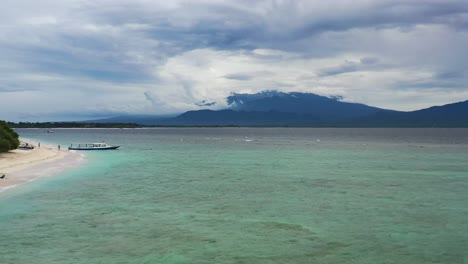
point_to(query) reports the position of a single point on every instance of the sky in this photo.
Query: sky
(80, 60)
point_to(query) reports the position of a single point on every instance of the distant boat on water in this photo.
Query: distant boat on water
(92, 146)
(50, 131)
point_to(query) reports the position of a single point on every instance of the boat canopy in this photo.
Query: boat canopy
(90, 145)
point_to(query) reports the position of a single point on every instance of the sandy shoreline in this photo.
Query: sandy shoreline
(22, 166)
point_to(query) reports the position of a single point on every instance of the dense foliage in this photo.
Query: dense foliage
(8, 138)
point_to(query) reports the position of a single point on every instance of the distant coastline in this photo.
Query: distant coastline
(278, 109)
(50, 125)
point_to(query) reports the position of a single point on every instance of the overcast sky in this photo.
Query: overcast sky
(79, 59)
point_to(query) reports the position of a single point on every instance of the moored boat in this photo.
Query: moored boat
(91, 146)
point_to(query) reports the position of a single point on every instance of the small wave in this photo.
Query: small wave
(2, 189)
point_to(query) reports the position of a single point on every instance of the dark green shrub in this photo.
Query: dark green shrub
(8, 138)
(4, 145)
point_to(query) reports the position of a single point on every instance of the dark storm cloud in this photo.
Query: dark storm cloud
(391, 14)
(205, 103)
(239, 76)
(369, 60)
(449, 80)
(191, 26)
(428, 84)
(366, 63)
(339, 69)
(272, 28)
(104, 54)
(450, 75)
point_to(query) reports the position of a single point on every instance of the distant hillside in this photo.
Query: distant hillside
(136, 119)
(450, 115)
(272, 108)
(47, 125)
(325, 108)
(301, 109)
(242, 118)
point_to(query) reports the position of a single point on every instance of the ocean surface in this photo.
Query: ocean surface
(246, 195)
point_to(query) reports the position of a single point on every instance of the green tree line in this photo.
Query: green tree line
(8, 138)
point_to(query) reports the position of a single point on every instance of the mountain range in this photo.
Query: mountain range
(274, 108)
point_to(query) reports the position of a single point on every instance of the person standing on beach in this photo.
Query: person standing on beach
(39, 144)
(59, 147)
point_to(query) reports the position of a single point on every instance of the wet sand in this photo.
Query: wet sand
(21, 166)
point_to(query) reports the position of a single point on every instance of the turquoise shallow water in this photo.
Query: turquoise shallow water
(244, 195)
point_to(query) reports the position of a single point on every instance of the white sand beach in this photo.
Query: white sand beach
(21, 166)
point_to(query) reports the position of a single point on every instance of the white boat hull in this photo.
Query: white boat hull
(100, 148)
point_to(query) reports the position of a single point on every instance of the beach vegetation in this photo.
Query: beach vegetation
(8, 138)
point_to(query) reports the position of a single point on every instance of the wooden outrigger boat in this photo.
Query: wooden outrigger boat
(91, 146)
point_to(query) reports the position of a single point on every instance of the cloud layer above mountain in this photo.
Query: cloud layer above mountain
(77, 59)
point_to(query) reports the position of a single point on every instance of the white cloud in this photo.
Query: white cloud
(167, 56)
